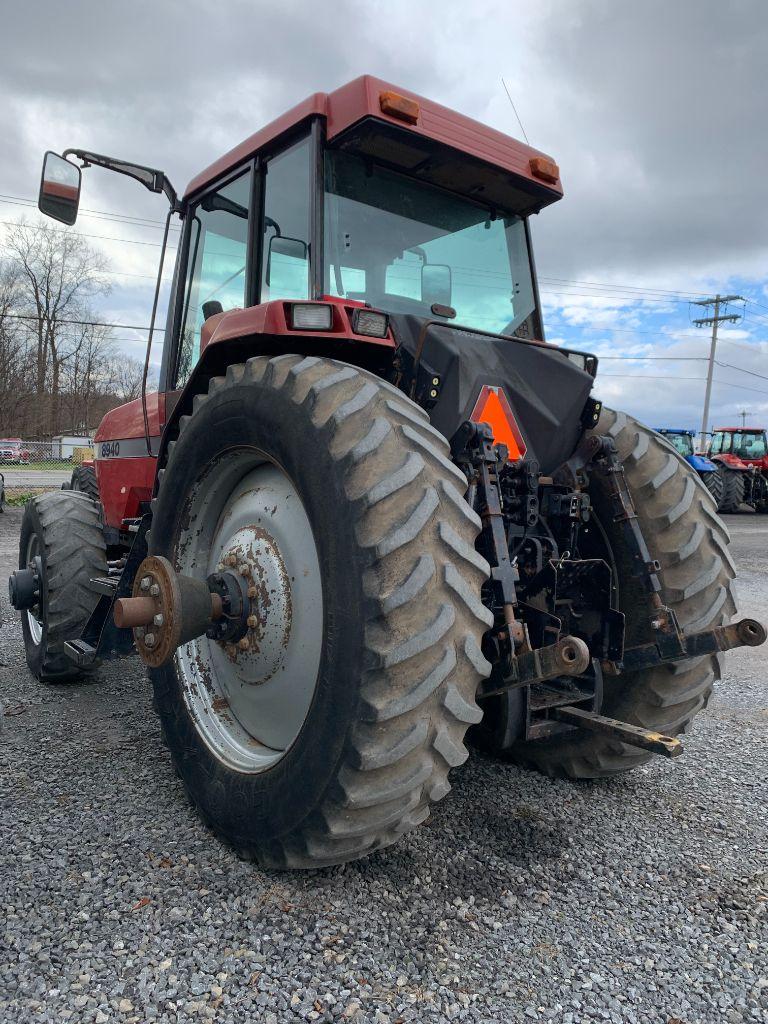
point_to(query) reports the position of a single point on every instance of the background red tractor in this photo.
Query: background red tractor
(368, 508)
(742, 459)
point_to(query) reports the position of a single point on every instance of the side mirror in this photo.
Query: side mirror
(290, 248)
(436, 284)
(59, 189)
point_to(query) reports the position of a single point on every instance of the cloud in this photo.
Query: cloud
(654, 111)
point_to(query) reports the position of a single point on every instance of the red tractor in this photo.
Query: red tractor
(741, 456)
(369, 508)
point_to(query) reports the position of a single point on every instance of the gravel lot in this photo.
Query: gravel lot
(643, 899)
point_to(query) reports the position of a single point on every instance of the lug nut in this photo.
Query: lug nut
(145, 583)
(244, 643)
(158, 620)
(149, 640)
(252, 622)
(230, 560)
(244, 569)
(252, 592)
(154, 590)
(140, 631)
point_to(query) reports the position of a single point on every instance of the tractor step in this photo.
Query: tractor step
(632, 735)
(81, 652)
(105, 585)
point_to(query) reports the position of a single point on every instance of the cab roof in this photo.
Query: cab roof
(361, 99)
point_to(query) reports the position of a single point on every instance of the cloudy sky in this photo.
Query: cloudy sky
(655, 111)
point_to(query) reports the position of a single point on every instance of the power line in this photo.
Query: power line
(82, 234)
(81, 323)
(720, 383)
(740, 369)
(136, 221)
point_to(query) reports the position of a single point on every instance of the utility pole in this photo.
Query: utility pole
(717, 318)
(744, 415)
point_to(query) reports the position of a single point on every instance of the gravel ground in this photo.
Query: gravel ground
(523, 899)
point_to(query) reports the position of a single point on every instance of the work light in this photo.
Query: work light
(370, 322)
(313, 316)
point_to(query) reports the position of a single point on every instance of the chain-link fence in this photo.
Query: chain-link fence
(31, 467)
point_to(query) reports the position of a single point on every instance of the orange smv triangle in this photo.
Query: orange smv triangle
(493, 408)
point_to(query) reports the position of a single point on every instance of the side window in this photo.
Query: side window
(717, 444)
(285, 241)
(216, 265)
(403, 277)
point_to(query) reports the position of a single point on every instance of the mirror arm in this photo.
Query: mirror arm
(149, 177)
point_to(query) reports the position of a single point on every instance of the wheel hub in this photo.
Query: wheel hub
(259, 651)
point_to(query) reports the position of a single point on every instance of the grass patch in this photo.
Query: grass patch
(17, 498)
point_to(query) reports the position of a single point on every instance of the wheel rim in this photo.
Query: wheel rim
(250, 705)
(34, 614)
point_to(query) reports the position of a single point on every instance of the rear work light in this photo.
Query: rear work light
(313, 316)
(370, 322)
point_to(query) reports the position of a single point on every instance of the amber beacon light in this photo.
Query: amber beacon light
(398, 106)
(545, 169)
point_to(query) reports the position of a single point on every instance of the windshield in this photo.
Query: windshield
(749, 444)
(402, 246)
(681, 442)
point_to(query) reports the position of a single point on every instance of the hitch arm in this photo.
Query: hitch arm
(746, 633)
(568, 657)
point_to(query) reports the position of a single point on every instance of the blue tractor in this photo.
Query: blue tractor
(682, 441)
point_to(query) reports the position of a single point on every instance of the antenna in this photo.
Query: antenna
(506, 90)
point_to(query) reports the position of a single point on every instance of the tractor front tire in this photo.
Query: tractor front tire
(734, 486)
(690, 541)
(333, 726)
(63, 529)
(84, 480)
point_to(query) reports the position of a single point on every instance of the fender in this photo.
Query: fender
(239, 334)
(731, 462)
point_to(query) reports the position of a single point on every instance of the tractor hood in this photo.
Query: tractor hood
(701, 464)
(546, 388)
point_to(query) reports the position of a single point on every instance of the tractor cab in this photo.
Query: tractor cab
(680, 439)
(748, 445)
(370, 223)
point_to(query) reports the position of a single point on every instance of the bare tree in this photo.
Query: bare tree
(126, 377)
(58, 277)
(14, 351)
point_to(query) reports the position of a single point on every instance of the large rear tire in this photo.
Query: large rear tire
(331, 735)
(734, 484)
(64, 530)
(690, 541)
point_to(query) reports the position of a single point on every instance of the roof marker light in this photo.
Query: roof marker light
(546, 170)
(398, 106)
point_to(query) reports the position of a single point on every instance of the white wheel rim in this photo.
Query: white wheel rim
(249, 706)
(34, 623)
